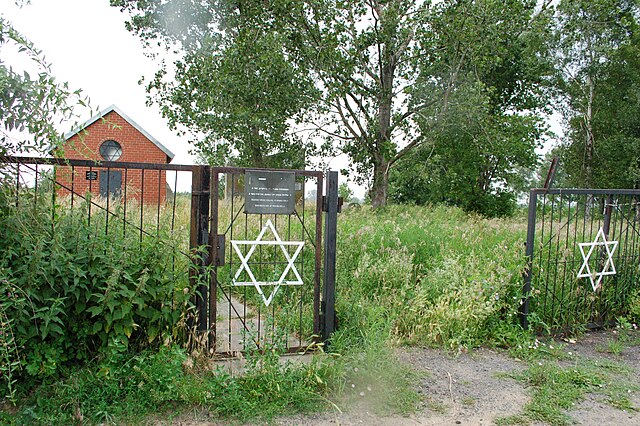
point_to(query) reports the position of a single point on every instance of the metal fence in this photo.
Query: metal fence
(146, 200)
(207, 226)
(583, 249)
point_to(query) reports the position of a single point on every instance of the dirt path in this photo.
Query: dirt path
(475, 389)
(467, 390)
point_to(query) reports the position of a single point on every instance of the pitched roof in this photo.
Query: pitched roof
(117, 110)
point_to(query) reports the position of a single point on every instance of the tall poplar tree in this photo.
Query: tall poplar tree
(590, 34)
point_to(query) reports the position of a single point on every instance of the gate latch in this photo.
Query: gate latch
(325, 204)
(219, 241)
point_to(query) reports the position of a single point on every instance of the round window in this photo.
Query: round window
(110, 150)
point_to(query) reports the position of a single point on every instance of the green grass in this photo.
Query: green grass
(127, 388)
(444, 278)
(556, 388)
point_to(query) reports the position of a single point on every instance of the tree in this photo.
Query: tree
(615, 127)
(475, 161)
(346, 193)
(481, 138)
(364, 58)
(590, 35)
(234, 87)
(31, 104)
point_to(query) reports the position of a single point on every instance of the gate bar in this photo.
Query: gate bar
(213, 255)
(329, 289)
(318, 265)
(531, 232)
(199, 237)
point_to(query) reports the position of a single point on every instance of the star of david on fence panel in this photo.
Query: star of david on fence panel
(607, 269)
(244, 262)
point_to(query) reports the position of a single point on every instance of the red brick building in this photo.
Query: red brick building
(112, 136)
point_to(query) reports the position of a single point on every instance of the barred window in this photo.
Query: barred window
(110, 150)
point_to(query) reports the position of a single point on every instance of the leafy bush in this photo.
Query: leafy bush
(69, 289)
(634, 308)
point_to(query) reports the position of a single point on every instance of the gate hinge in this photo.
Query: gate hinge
(219, 241)
(325, 206)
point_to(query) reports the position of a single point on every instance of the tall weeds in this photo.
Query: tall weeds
(441, 277)
(71, 288)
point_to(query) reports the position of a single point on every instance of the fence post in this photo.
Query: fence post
(531, 232)
(199, 237)
(330, 240)
(607, 215)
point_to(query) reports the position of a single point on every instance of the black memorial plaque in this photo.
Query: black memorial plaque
(269, 192)
(91, 175)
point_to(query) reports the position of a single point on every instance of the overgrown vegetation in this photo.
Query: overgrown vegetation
(442, 277)
(72, 289)
(90, 332)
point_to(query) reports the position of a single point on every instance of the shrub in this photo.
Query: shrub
(69, 289)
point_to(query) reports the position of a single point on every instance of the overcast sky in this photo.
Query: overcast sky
(87, 45)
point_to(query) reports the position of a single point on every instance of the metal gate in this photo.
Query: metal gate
(583, 250)
(263, 278)
(261, 283)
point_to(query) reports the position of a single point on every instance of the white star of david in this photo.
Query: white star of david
(608, 269)
(244, 262)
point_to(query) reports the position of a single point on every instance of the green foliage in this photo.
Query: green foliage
(122, 385)
(438, 276)
(71, 291)
(479, 150)
(269, 387)
(345, 192)
(236, 86)
(371, 79)
(598, 75)
(127, 387)
(634, 309)
(9, 354)
(242, 105)
(422, 275)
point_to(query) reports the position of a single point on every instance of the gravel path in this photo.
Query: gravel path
(474, 389)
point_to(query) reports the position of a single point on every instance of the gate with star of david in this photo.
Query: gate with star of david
(583, 252)
(266, 285)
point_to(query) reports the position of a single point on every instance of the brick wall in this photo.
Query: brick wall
(85, 145)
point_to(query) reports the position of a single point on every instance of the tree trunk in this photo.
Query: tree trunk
(255, 148)
(589, 138)
(380, 184)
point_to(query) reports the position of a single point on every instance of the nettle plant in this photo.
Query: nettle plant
(69, 290)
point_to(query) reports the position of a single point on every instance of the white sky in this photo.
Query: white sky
(87, 45)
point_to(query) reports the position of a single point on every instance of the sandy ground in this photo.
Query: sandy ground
(474, 389)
